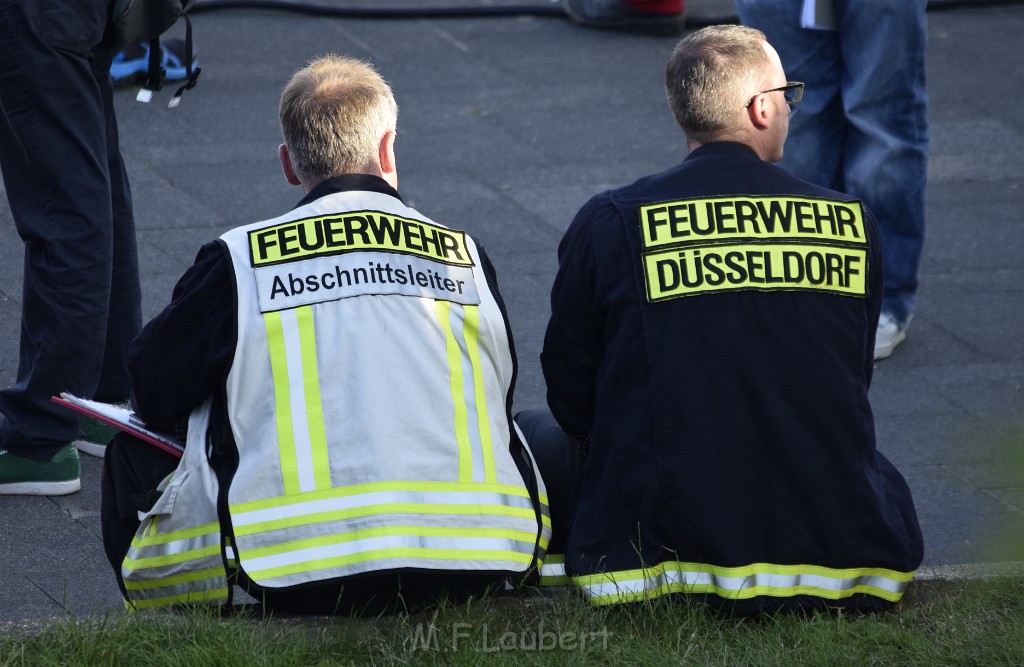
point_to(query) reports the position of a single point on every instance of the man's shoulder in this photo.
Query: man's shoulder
(798, 186)
(713, 176)
(595, 216)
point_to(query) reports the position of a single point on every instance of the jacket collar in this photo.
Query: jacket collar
(349, 182)
(723, 149)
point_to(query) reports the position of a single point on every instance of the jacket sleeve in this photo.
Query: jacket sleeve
(574, 342)
(184, 353)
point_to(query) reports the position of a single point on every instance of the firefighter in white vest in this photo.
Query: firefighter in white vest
(343, 375)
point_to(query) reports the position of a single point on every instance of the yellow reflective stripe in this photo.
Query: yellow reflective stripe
(740, 583)
(471, 331)
(170, 559)
(152, 539)
(282, 401)
(390, 508)
(390, 554)
(184, 598)
(390, 531)
(174, 580)
(373, 487)
(443, 311)
(314, 405)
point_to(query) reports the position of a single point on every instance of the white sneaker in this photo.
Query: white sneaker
(888, 336)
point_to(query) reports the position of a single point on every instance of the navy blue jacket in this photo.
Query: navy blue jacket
(725, 428)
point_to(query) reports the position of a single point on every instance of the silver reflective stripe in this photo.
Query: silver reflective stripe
(152, 551)
(398, 543)
(424, 528)
(203, 582)
(552, 571)
(376, 503)
(189, 595)
(301, 440)
(159, 570)
(743, 583)
(297, 554)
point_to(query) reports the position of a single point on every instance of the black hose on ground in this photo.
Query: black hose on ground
(547, 9)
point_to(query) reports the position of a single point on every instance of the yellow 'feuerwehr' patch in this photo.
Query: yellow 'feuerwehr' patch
(700, 221)
(353, 231)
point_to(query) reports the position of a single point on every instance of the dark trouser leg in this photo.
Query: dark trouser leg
(384, 592)
(132, 470)
(560, 462)
(124, 316)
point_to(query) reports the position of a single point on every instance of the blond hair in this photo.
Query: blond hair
(710, 76)
(334, 113)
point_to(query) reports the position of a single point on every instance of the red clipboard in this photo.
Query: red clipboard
(123, 420)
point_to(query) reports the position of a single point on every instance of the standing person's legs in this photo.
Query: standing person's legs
(54, 157)
(124, 317)
(886, 100)
(817, 129)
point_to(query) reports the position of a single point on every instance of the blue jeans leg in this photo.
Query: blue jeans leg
(817, 128)
(862, 126)
(886, 152)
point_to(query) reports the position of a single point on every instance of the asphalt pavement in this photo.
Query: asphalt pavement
(506, 126)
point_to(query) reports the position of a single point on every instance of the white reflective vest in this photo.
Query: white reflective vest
(369, 400)
(177, 556)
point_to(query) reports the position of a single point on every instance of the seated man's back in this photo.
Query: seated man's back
(711, 339)
(347, 369)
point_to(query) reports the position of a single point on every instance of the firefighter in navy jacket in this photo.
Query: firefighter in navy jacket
(709, 352)
(347, 373)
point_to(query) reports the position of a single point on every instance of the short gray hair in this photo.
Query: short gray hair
(710, 75)
(333, 114)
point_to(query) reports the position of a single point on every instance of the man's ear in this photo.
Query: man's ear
(286, 165)
(386, 154)
(759, 112)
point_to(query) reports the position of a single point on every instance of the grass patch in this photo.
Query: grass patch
(938, 623)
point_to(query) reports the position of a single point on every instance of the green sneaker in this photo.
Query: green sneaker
(95, 437)
(23, 476)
